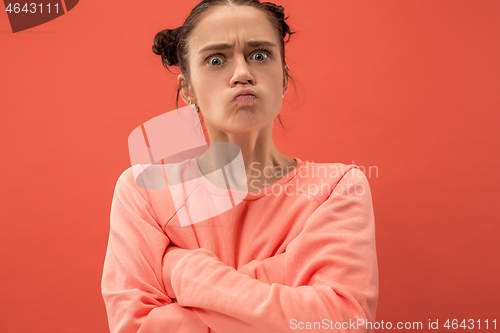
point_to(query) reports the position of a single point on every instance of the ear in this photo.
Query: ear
(285, 82)
(186, 91)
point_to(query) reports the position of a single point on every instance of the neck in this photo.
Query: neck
(263, 163)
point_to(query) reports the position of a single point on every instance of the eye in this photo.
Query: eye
(261, 55)
(214, 61)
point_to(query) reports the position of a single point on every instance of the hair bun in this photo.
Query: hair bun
(165, 44)
(279, 12)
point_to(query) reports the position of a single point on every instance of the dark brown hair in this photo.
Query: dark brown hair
(171, 44)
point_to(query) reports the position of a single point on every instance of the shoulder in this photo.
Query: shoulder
(319, 180)
(161, 188)
(143, 185)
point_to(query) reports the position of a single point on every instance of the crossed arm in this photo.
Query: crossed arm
(183, 319)
(329, 272)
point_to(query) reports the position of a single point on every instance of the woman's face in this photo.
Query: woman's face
(235, 48)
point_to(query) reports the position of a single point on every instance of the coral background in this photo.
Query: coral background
(407, 89)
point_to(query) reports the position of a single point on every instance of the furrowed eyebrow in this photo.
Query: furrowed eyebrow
(215, 47)
(260, 43)
(225, 46)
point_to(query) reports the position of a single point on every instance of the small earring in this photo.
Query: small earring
(283, 96)
(189, 101)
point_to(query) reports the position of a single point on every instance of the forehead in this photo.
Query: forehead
(232, 24)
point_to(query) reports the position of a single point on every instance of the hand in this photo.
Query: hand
(170, 259)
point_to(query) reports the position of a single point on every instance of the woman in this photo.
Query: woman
(297, 251)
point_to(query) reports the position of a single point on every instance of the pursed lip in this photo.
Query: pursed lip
(245, 92)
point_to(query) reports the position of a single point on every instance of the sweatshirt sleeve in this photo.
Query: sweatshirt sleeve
(331, 274)
(132, 284)
(270, 270)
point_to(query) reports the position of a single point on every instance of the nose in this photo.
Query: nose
(242, 73)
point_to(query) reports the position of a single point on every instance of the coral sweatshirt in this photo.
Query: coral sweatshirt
(298, 255)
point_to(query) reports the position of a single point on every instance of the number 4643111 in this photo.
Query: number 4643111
(470, 324)
(31, 8)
